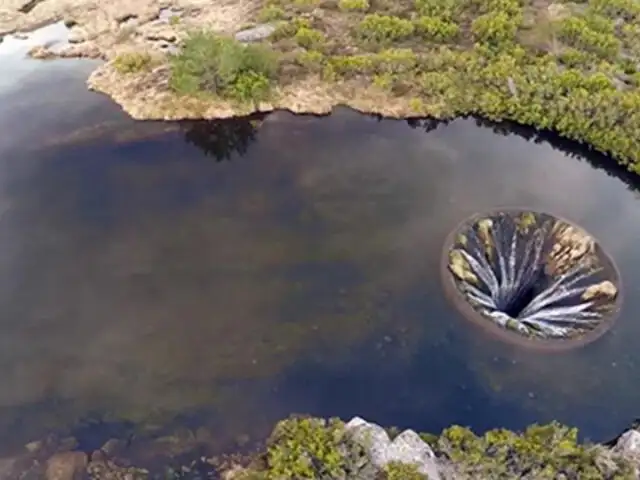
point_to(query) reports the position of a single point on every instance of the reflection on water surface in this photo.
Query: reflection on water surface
(142, 281)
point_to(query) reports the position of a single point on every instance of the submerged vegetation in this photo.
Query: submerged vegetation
(571, 67)
(531, 274)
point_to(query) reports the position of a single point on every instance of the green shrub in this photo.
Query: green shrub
(354, 5)
(436, 30)
(627, 9)
(309, 37)
(574, 58)
(271, 13)
(376, 28)
(577, 33)
(306, 448)
(222, 66)
(402, 471)
(494, 28)
(511, 8)
(447, 10)
(541, 452)
(132, 62)
(289, 29)
(311, 60)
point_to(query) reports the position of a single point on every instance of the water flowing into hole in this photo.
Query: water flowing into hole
(533, 275)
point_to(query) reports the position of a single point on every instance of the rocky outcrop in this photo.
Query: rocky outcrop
(407, 449)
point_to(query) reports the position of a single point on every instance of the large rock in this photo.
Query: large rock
(406, 448)
(67, 466)
(255, 34)
(628, 445)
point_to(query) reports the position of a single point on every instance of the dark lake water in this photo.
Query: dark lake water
(229, 274)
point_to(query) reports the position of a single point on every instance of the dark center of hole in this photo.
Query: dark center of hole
(515, 305)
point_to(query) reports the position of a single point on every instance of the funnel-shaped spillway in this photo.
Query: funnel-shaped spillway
(532, 275)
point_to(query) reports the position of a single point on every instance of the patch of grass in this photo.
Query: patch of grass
(447, 10)
(494, 28)
(213, 64)
(174, 20)
(354, 5)
(271, 13)
(133, 62)
(435, 29)
(309, 38)
(384, 29)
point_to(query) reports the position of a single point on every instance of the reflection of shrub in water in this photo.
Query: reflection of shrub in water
(531, 274)
(222, 139)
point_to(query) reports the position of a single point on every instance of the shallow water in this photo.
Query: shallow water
(230, 274)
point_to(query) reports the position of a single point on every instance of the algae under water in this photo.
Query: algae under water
(228, 274)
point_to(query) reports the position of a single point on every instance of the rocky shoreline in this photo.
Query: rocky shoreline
(312, 448)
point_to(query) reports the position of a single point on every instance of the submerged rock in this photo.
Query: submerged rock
(67, 466)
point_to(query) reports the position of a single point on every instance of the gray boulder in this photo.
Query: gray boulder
(406, 448)
(255, 34)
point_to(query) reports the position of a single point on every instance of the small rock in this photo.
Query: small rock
(78, 35)
(602, 289)
(255, 34)
(33, 447)
(66, 466)
(112, 447)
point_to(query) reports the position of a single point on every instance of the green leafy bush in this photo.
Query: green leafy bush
(132, 62)
(541, 452)
(354, 5)
(306, 448)
(220, 65)
(578, 33)
(309, 37)
(436, 30)
(495, 28)
(271, 13)
(376, 28)
(402, 471)
(627, 9)
(446, 10)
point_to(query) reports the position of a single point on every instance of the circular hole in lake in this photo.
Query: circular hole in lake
(532, 278)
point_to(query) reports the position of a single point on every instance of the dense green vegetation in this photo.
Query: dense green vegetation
(567, 67)
(311, 448)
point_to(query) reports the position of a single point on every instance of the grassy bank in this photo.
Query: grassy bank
(568, 67)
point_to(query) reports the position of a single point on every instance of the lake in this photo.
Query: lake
(156, 276)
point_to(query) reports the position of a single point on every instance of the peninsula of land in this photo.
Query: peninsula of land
(570, 67)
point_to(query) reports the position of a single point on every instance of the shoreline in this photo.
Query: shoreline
(307, 448)
(583, 94)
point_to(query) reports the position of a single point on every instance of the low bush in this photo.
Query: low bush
(384, 29)
(578, 33)
(354, 5)
(210, 63)
(435, 29)
(132, 62)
